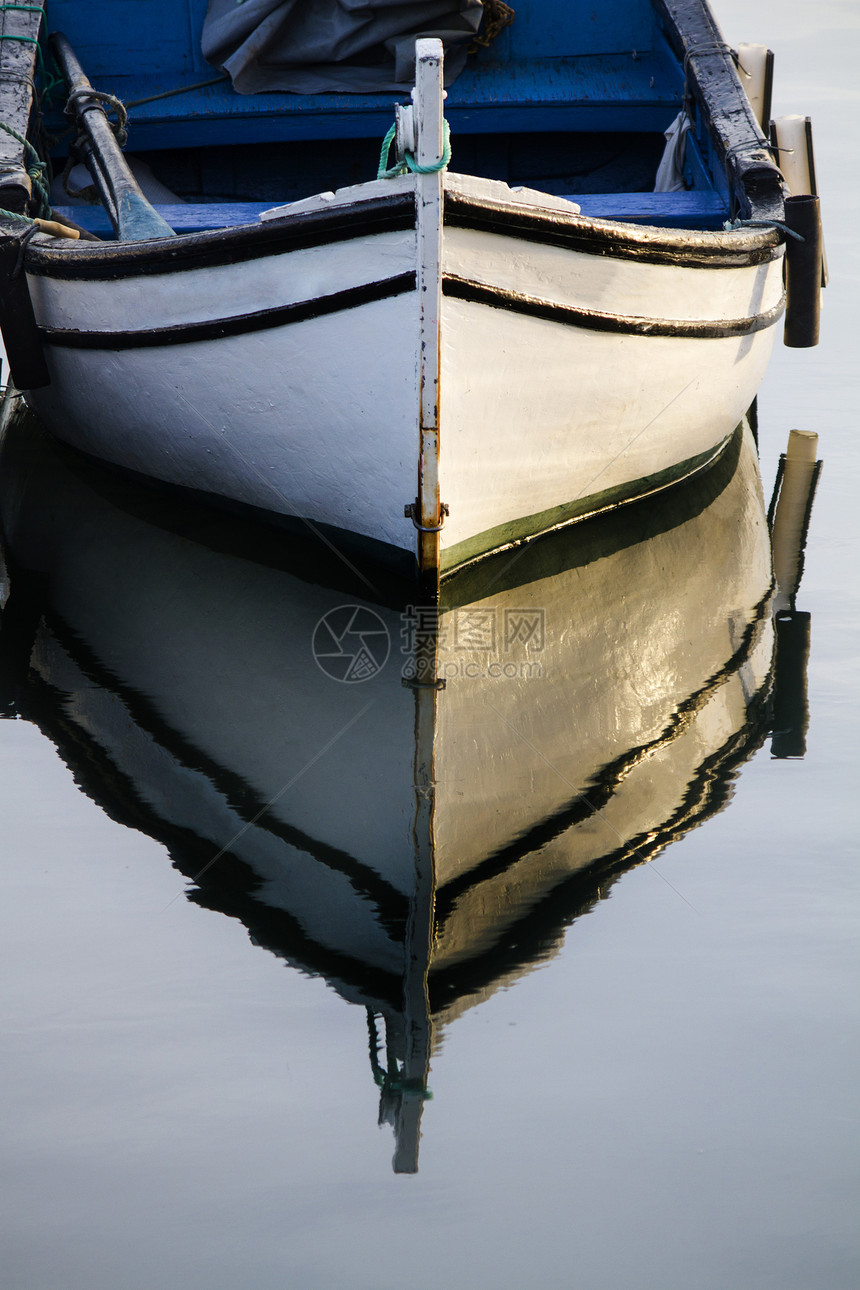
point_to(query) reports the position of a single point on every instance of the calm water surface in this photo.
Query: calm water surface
(642, 1075)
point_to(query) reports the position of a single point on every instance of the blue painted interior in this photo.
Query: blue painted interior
(561, 62)
(669, 210)
(159, 40)
(565, 74)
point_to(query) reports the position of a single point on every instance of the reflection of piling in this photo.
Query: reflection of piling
(790, 700)
(412, 1088)
(790, 510)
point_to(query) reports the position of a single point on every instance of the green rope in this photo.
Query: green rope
(52, 78)
(436, 165)
(15, 217)
(382, 171)
(409, 162)
(29, 40)
(732, 224)
(36, 169)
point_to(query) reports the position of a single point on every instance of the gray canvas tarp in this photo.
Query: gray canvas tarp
(333, 46)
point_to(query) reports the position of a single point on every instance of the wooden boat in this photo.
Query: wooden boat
(418, 845)
(444, 361)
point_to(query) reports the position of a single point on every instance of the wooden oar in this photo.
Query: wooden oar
(133, 218)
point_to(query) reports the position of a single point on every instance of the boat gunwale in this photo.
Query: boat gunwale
(615, 239)
(221, 246)
(607, 238)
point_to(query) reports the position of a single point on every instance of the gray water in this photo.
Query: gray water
(660, 1090)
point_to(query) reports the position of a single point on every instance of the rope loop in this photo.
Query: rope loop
(89, 193)
(409, 163)
(35, 170)
(83, 96)
(383, 171)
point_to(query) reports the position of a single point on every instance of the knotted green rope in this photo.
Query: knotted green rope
(409, 162)
(14, 217)
(36, 169)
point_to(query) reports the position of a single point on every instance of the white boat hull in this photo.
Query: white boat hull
(284, 368)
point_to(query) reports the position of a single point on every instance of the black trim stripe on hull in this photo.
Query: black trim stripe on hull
(106, 261)
(241, 325)
(594, 320)
(390, 903)
(615, 240)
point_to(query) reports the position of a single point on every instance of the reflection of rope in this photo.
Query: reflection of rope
(387, 1082)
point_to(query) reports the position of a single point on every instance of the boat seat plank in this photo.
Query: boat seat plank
(611, 92)
(671, 210)
(667, 210)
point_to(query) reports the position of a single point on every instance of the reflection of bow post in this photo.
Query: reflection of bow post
(420, 929)
(409, 1036)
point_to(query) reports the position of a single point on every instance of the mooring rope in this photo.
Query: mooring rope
(36, 169)
(409, 163)
(763, 223)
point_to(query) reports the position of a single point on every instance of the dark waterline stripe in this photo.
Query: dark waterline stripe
(240, 325)
(529, 527)
(238, 796)
(595, 795)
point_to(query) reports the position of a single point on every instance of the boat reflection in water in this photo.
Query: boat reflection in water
(414, 806)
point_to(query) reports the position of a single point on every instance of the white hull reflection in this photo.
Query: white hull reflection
(423, 834)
